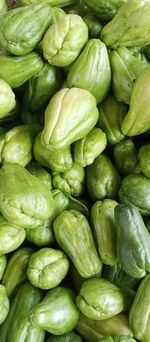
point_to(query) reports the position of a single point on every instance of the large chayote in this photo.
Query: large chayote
(125, 156)
(57, 312)
(70, 115)
(24, 200)
(59, 3)
(59, 161)
(11, 236)
(47, 268)
(137, 120)
(91, 70)
(126, 68)
(4, 304)
(22, 28)
(17, 70)
(103, 179)
(70, 337)
(123, 29)
(74, 236)
(111, 114)
(7, 99)
(63, 42)
(3, 264)
(99, 299)
(85, 150)
(144, 159)
(104, 9)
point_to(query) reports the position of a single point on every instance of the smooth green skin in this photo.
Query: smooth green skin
(57, 14)
(93, 330)
(47, 268)
(62, 49)
(41, 87)
(15, 272)
(38, 171)
(71, 181)
(93, 25)
(105, 232)
(75, 106)
(126, 158)
(7, 99)
(3, 264)
(42, 235)
(70, 337)
(137, 120)
(61, 201)
(17, 327)
(18, 143)
(119, 338)
(91, 70)
(144, 159)
(99, 299)
(3, 8)
(11, 68)
(59, 3)
(139, 314)
(111, 114)
(133, 241)
(68, 227)
(104, 9)
(11, 236)
(117, 276)
(22, 28)
(24, 200)
(4, 304)
(57, 312)
(123, 30)
(60, 160)
(103, 180)
(135, 189)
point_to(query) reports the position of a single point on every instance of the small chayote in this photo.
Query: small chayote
(70, 115)
(63, 42)
(7, 100)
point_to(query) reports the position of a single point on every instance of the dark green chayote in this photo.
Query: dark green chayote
(117, 276)
(7, 99)
(94, 25)
(125, 157)
(70, 337)
(104, 9)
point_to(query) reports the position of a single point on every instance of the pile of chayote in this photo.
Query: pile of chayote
(75, 171)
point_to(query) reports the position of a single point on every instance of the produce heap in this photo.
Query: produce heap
(75, 171)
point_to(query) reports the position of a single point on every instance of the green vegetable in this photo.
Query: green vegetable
(4, 304)
(103, 224)
(70, 337)
(22, 28)
(38, 171)
(17, 326)
(103, 180)
(137, 120)
(123, 30)
(135, 190)
(57, 14)
(41, 235)
(133, 241)
(3, 8)
(62, 49)
(117, 276)
(15, 272)
(11, 236)
(111, 114)
(60, 3)
(24, 200)
(73, 234)
(93, 25)
(11, 68)
(104, 9)
(3, 264)
(91, 70)
(118, 338)
(75, 106)
(125, 156)
(7, 100)
(144, 159)
(47, 268)
(99, 299)
(57, 312)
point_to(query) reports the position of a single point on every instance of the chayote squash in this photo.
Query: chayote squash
(103, 179)
(70, 337)
(11, 68)
(17, 327)
(105, 232)
(57, 312)
(123, 30)
(41, 235)
(73, 234)
(104, 9)
(22, 28)
(24, 200)
(144, 159)
(117, 276)
(3, 264)
(4, 304)
(94, 25)
(125, 157)
(117, 338)
(62, 42)
(57, 14)
(139, 314)
(47, 268)
(59, 3)
(38, 171)
(3, 8)
(77, 108)
(135, 189)
(133, 241)
(111, 114)
(16, 271)
(91, 70)
(137, 120)
(7, 100)
(11, 236)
